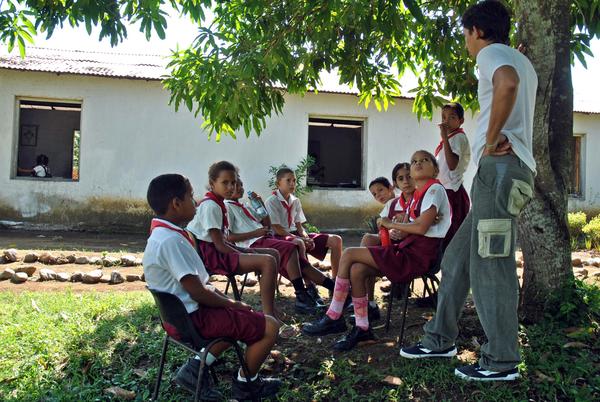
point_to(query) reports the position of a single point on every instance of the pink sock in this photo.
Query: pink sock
(361, 312)
(340, 292)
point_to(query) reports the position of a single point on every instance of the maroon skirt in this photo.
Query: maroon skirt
(459, 205)
(217, 262)
(408, 259)
(285, 249)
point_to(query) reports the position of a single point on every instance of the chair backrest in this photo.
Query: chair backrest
(173, 313)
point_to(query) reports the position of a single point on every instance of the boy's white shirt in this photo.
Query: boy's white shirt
(436, 196)
(278, 214)
(453, 179)
(168, 257)
(208, 216)
(240, 223)
(39, 171)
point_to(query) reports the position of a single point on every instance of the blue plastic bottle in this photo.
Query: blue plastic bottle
(257, 206)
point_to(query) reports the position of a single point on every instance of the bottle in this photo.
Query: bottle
(257, 206)
(384, 235)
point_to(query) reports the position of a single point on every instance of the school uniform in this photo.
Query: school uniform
(169, 256)
(242, 220)
(396, 208)
(287, 214)
(414, 255)
(452, 180)
(211, 213)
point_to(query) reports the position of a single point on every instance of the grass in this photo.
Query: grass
(71, 347)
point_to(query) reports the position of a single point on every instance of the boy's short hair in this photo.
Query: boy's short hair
(282, 172)
(490, 16)
(42, 159)
(380, 180)
(457, 107)
(163, 189)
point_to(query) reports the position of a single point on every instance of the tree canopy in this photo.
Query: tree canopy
(251, 52)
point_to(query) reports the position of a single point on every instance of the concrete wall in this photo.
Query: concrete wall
(588, 126)
(129, 134)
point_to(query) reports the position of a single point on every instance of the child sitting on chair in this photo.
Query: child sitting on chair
(172, 265)
(400, 262)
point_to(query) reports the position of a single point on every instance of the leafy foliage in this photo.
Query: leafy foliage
(301, 171)
(240, 66)
(592, 231)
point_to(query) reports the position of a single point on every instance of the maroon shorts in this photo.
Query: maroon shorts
(320, 239)
(217, 262)
(285, 249)
(408, 259)
(459, 205)
(241, 325)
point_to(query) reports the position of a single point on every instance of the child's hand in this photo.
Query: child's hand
(378, 223)
(262, 231)
(386, 222)
(309, 243)
(253, 194)
(396, 234)
(444, 130)
(241, 305)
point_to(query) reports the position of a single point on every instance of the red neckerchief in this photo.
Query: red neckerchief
(417, 198)
(246, 212)
(219, 200)
(452, 134)
(159, 224)
(288, 209)
(405, 205)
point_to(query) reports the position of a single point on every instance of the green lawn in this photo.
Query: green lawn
(66, 346)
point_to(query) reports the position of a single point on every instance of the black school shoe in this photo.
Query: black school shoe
(324, 326)
(474, 372)
(262, 387)
(187, 377)
(418, 351)
(350, 340)
(314, 293)
(304, 303)
(373, 312)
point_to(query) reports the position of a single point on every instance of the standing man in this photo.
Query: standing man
(482, 253)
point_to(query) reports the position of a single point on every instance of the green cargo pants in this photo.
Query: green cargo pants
(481, 256)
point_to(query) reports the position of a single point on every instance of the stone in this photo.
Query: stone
(63, 277)
(71, 258)
(325, 267)
(576, 262)
(92, 277)
(105, 278)
(82, 259)
(143, 277)
(138, 261)
(116, 278)
(109, 261)
(596, 274)
(581, 272)
(10, 255)
(62, 260)
(29, 270)
(76, 277)
(519, 264)
(133, 278)
(6, 274)
(19, 277)
(47, 258)
(95, 260)
(316, 264)
(250, 282)
(595, 262)
(3, 260)
(47, 275)
(128, 260)
(31, 257)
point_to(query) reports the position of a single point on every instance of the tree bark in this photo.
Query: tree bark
(544, 28)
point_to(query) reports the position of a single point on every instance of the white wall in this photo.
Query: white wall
(588, 125)
(129, 134)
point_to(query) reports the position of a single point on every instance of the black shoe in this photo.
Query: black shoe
(305, 304)
(474, 372)
(374, 315)
(324, 326)
(419, 351)
(314, 293)
(187, 377)
(262, 387)
(428, 301)
(355, 335)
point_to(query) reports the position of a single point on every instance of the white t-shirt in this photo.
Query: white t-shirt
(278, 213)
(452, 179)
(168, 257)
(436, 196)
(386, 208)
(519, 125)
(239, 222)
(39, 171)
(208, 216)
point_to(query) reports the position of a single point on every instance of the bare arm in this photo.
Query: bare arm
(235, 237)
(217, 238)
(280, 231)
(300, 230)
(419, 227)
(451, 157)
(206, 297)
(506, 84)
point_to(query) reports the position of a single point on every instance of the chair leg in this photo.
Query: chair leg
(199, 379)
(234, 288)
(160, 368)
(406, 291)
(389, 308)
(277, 285)
(245, 369)
(243, 285)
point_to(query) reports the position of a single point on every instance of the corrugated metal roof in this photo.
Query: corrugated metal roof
(153, 67)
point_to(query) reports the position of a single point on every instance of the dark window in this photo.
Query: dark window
(336, 146)
(576, 188)
(51, 129)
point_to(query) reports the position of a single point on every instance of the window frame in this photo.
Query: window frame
(582, 162)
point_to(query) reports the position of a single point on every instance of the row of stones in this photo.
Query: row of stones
(23, 274)
(10, 255)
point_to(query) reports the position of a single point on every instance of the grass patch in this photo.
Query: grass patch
(67, 347)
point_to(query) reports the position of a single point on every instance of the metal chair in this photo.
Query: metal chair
(173, 314)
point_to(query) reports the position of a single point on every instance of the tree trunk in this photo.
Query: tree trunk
(544, 28)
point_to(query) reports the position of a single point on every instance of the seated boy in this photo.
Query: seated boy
(172, 265)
